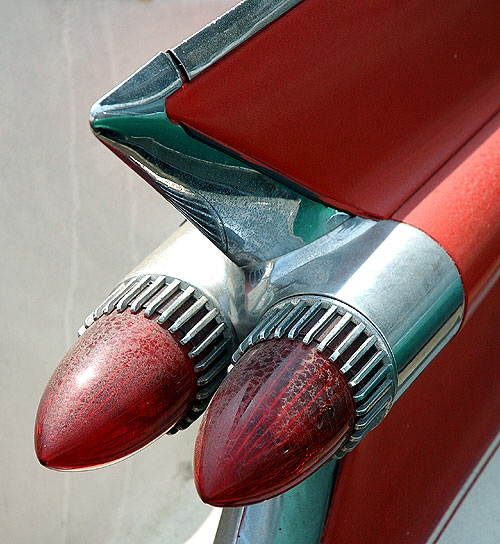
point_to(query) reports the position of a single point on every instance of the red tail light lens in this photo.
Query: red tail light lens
(280, 414)
(123, 383)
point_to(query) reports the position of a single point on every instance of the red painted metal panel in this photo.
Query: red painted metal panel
(362, 103)
(395, 486)
(356, 102)
(460, 208)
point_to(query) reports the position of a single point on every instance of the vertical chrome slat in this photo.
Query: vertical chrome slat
(346, 318)
(161, 298)
(175, 305)
(144, 297)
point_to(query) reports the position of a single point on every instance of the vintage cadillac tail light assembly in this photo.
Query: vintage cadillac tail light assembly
(338, 282)
(344, 332)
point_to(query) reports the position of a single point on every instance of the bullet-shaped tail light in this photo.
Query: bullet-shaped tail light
(147, 362)
(310, 380)
(122, 384)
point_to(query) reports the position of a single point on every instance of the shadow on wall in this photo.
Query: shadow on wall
(74, 221)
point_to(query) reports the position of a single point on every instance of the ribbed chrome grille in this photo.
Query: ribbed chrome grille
(190, 317)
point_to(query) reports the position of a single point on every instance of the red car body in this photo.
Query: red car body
(387, 110)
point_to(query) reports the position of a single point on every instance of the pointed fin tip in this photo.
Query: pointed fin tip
(143, 92)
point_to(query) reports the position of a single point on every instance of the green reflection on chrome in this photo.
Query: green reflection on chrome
(313, 219)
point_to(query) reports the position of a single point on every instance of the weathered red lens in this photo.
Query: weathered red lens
(123, 383)
(279, 415)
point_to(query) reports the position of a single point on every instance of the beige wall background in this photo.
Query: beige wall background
(73, 221)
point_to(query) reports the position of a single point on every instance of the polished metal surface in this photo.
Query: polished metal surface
(143, 93)
(245, 213)
(383, 282)
(95, 39)
(395, 276)
(412, 370)
(331, 326)
(385, 288)
(187, 254)
(227, 32)
(295, 517)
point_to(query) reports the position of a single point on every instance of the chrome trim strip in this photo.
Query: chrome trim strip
(411, 372)
(464, 491)
(176, 304)
(227, 32)
(346, 318)
(320, 325)
(306, 318)
(186, 316)
(142, 93)
(365, 346)
(295, 517)
(161, 298)
(146, 295)
(199, 326)
(207, 341)
(127, 299)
